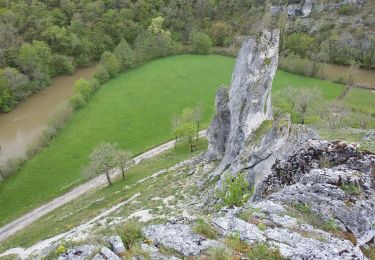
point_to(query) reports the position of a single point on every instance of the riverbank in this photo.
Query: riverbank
(24, 124)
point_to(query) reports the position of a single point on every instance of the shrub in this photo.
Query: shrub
(236, 191)
(200, 42)
(205, 229)
(351, 189)
(234, 242)
(125, 55)
(77, 101)
(247, 214)
(132, 233)
(219, 253)
(295, 64)
(95, 84)
(10, 167)
(61, 64)
(262, 251)
(83, 88)
(110, 62)
(330, 225)
(101, 74)
(346, 9)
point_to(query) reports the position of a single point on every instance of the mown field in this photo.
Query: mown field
(134, 111)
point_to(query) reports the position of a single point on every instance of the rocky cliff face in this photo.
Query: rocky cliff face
(247, 103)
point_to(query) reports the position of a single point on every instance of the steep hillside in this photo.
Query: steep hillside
(265, 189)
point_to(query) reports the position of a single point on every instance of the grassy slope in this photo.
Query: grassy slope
(90, 205)
(133, 110)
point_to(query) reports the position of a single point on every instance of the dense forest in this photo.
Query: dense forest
(45, 38)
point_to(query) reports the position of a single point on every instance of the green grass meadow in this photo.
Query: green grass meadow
(134, 111)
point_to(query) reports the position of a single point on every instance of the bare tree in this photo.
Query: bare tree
(176, 121)
(305, 100)
(122, 160)
(289, 95)
(353, 71)
(197, 117)
(334, 113)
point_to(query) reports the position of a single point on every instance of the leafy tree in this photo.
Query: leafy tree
(125, 55)
(109, 61)
(6, 99)
(187, 130)
(197, 117)
(61, 64)
(77, 101)
(221, 33)
(34, 60)
(102, 160)
(201, 43)
(101, 74)
(17, 83)
(300, 44)
(84, 88)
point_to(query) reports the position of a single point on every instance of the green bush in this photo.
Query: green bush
(84, 88)
(205, 229)
(262, 251)
(61, 64)
(219, 253)
(77, 101)
(101, 74)
(201, 43)
(235, 191)
(125, 55)
(346, 9)
(132, 234)
(110, 62)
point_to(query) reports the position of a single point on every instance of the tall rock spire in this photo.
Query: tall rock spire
(243, 107)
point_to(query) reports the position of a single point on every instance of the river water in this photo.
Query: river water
(362, 76)
(20, 127)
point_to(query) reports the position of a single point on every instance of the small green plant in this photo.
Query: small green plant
(262, 226)
(235, 243)
(205, 229)
(351, 189)
(248, 213)
(235, 191)
(132, 233)
(262, 251)
(267, 61)
(219, 253)
(330, 225)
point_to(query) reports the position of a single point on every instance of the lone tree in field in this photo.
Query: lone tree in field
(306, 98)
(197, 117)
(334, 114)
(122, 159)
(105, 158)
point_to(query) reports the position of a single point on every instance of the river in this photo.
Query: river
(21, 126)
(362, 76)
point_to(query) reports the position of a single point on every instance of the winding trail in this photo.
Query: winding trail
(100, 181)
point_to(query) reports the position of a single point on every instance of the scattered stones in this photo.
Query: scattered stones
(82, 252)
(117, 245)
(106, 254)
(178, 237)
(231, 226)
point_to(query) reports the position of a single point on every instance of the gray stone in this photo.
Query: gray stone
(117, 245)
(231, 225)
(178, 237)
(82, 252)
(155, 254)
(249, 100)
(106, 254)
(292, 245)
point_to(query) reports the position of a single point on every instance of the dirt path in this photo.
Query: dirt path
(100, 181)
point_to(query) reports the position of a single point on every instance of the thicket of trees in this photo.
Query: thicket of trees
(40, 39)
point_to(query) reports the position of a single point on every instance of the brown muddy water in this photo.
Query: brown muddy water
(362, 76)
(19, 128)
